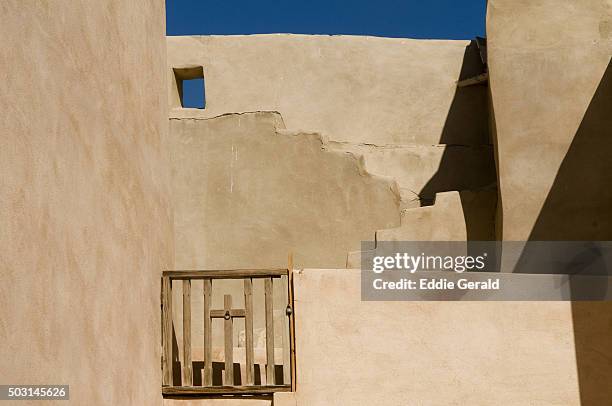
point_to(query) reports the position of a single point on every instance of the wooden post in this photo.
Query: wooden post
(229, 341)
(291, 321)
(286, 336)
(248, 329)
(187, 365)
(269, 332)
(207, 379)
(167, 331)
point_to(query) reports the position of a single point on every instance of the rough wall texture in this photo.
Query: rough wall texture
(357, 89)
(351, 352)
(86, 221)
(393, 102)
(552, 96)
(247, 194)
(421, 171)
(443, 221)
(551, 83)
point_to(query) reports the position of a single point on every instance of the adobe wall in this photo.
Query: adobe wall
(351, 352)
(85, 214)
(394, 101)
(248, 193)
(551, 84)
(551, 87)
(349, 88)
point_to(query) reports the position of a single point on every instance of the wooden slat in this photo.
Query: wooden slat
(476, 80)
(187, 366)
(167, 331)
(226, 274)
(219, 314)
(291, 321)
(269, 332)
(224, 390)
(248, 327)
(207, 333)
(286, 338)
(229, 343)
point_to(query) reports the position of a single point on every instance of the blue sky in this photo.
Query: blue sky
(444, 19)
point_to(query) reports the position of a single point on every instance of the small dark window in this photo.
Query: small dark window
(191, 87)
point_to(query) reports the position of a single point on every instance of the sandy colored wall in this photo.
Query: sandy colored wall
(393, 102)
(86, 221)
(552, 94)
(421, 171)
(248, 193)
(351, 352)
(551, 84)
(357, 89)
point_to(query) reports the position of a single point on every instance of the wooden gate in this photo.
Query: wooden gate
(231, 384)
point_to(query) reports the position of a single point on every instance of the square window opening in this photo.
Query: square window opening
(191, 87)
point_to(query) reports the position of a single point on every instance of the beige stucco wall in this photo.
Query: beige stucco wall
(351, 352)
(85, 214)
(551, 96)
(392, 102)
(422, 169)
(349, 88)
(443, 221)
(247, 193)
(551, 84)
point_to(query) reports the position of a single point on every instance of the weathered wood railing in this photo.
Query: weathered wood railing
(228, 314)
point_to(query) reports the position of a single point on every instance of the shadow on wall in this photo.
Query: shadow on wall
(218, 370)
(467, 127)
(579, 204)
(579, 208)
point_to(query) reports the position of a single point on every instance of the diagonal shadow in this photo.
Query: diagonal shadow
(579, 204)
(468, 163)
(579, 208)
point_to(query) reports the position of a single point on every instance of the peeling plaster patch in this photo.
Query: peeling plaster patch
(266, 222)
